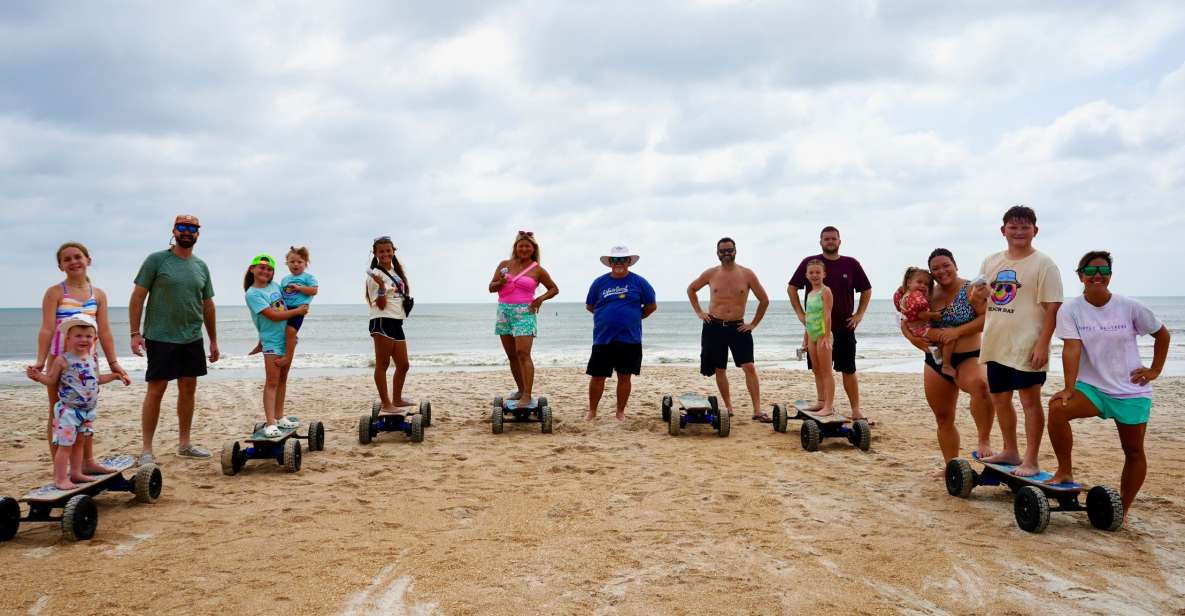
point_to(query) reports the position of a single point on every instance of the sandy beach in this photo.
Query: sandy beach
(601, 517)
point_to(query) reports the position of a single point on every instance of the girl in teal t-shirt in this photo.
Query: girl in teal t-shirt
(266, 303)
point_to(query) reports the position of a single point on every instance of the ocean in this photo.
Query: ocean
(334, 339)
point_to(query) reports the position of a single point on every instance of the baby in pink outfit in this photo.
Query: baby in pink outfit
(913, 302)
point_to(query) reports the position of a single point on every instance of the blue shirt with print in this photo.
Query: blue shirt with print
(293, 299)
(617, 307)
(271, 333)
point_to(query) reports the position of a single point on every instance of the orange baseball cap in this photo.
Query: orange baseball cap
(186, 219)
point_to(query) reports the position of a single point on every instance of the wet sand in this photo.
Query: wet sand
(601, 517)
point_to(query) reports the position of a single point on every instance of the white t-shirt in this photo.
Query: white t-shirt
(394, 309)
(1108, 335)
(1014, 313)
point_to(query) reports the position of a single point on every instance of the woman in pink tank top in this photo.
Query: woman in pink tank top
(74, 295)
(515, 281)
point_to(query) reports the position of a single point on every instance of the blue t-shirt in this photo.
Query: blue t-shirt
(292, 300)
(617, 307)
(271, 333)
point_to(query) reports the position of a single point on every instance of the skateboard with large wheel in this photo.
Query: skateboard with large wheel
(411, 423)
(817, 427)
(695, 409)
(507, 410)
(285, 449)
(80, 516)
(1034, 497)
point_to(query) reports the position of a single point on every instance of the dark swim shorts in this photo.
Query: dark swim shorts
(717, 339)
(955, 360)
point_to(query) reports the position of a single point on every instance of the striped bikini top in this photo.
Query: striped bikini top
(67, 307)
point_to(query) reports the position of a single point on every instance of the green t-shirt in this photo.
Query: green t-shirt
(177, 288)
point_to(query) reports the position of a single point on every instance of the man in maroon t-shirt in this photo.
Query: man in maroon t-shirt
(844, 277)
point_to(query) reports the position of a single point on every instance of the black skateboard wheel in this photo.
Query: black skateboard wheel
(147, 483)
(860, 435)
(364, 429)
(723, 423)
(231, 462)
(1031, 508)
(542, 402)
(292, 455)
(545, 418)
(80, 518)
(375, 408)
(426, 412)
(780, 419)
(673, 424)
(960, 478)
(714, 404)
(416, 435)
(499, 402)
(10, 517)
(810, 434)
(496, 416)
(666, 406)
(1104, 507)
(316, 436)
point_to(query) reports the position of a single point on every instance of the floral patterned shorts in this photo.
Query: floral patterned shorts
(515, 320)
(68, 423)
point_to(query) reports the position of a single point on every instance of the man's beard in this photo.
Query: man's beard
(831, 251)
(726, 259)
(186, 242)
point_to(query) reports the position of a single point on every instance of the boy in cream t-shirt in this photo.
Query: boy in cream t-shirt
(1023, 291)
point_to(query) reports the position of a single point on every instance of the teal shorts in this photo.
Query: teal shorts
(515, 320)
(1127, 411)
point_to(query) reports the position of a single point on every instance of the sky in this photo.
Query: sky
(662, 126)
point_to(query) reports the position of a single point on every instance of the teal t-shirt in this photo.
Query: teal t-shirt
(271, 333)
(292, 300)
(177, 289)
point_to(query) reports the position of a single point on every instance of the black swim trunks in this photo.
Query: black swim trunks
(168, 361)
(717, 339)
(622, 357)
(843, 352)
(1003, 378)
(955, 360)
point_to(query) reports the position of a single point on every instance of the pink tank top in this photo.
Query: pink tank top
(519, 289)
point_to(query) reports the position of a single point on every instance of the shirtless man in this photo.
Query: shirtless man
(725, 328)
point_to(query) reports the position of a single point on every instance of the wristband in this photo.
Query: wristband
(134, 334)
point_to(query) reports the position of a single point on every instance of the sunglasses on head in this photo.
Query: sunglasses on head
(619, 260)
(526, 233)
(1101, 270)
(184, 228)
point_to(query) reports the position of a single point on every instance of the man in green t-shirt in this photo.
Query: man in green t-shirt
(180, 299)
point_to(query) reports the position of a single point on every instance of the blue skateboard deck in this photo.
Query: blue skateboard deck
(1040, 479)
(801, 407)
(514, 404)
(48, 493)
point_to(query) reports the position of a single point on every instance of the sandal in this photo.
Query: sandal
(763, 418)
(271, 431)
(287, 423)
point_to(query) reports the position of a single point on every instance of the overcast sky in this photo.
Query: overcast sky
(663, 126)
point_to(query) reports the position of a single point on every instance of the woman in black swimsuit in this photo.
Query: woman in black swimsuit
(963, 322)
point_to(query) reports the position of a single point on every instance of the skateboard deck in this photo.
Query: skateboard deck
(48, 493)
(284, 433)
(801, 405)
(513, 404)
(1038, 480)
(694, 402)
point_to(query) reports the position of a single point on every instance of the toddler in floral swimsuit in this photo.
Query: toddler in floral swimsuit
(912, 301)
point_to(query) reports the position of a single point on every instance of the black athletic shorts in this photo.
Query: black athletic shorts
(387, 328)
(955, 360)
(168, 361)
(717, 339)
(622, 357)
(843, 352)
(296, 321)
(1002, 378)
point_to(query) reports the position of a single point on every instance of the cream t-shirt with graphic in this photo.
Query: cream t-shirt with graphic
(1017, 288)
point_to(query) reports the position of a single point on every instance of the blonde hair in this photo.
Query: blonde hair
(300, 251)
(86, 253)
(523, 237)
(818, 262)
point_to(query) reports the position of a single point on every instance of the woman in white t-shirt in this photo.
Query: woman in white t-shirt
(386, 287)
(1105, 377)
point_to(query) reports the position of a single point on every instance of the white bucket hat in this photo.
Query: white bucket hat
(77, 320)
(619, 251)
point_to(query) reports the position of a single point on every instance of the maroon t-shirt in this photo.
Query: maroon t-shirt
(844, 277)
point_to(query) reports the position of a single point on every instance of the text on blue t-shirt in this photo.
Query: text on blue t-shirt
(617, 307)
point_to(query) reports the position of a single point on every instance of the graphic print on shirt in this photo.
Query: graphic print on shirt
(1004, 287)
(619, 291)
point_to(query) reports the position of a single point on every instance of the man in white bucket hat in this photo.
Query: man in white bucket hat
(618, 301)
